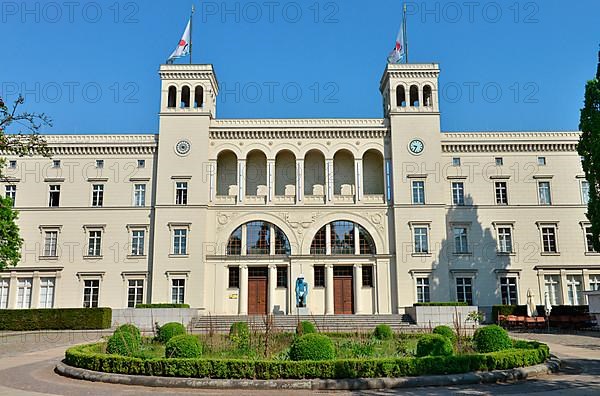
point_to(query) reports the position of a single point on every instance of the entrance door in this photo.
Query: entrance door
(343, 290)
(257, 290)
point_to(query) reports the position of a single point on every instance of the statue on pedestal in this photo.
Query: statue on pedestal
(301, 292)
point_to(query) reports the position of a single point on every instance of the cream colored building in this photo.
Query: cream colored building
(226, 214)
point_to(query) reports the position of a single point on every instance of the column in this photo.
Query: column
(243, 293)
(329, 179)
(35, 290)
(356, 240)
(212, 173)
(358, 180)
(564, 287)
(270, 179)
(241, 179)
(328, 239)
(272, 286)
(585, 279)
(357, 288)
(244, 240)
(386, 180)
(329, 289)
(271, 240)
(12, 291)
(376, 289)
(299, 180)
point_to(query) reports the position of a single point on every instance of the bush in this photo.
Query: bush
(162, 305)
(434, 345)
(312, 347)
(132, 329)
(55, 319)
(446, 332)
(441, 304)
(491, 338)
(183, 346)
(170, 330)
(122, 343)
(383, 332)
(305, 327)
(239, 334)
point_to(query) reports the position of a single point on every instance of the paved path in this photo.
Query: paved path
(27, 363)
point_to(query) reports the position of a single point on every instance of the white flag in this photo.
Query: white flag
(398, 53)
(183, 48)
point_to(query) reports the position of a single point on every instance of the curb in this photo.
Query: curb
(498, 376)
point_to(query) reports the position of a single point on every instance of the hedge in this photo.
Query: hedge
(55, 319)
(441, 304)
(83, 356)
(492, 338)
(162, 305)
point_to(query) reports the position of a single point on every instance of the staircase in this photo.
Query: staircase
(287, 323)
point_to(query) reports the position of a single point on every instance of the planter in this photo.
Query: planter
(424, 316)
(145, 318)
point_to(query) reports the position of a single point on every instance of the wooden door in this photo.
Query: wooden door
(257, 292)
(343, 301)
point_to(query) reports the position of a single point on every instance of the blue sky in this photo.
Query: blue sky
(506, 65)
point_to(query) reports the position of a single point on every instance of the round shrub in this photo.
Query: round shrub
(383, 332)
(446, 332)
(434, 345)
(132, 329)
(312, 347)
(183, 346)
(491, 338)
(239, 334)
(305, 327)
(170, 330)
(122, 343)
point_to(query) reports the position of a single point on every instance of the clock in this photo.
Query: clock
(183, 147)
(416, 146)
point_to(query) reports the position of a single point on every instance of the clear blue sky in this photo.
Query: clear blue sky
(538, 53)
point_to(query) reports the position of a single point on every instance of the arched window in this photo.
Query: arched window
(427, 98)
(400, 96)
(172, 97)
(198, 97)
(343, 239)
(227, 173)
(414, 96)
(260, 236)
(185, 97)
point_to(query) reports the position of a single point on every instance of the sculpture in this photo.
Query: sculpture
(301, 292)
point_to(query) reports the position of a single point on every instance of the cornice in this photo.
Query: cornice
(465, 142)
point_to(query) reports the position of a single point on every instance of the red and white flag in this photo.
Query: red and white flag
(398, 53)
(183, 48)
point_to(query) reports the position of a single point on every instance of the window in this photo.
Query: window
(24, 293)
(234, 277)
(12, 164)
(137, 242)
(549, 240)
(97, 195)
(47, 292)
(95, 243)
(91, 290)
(282, 277)
(141, 163)
(418, 192)
(501, 193)
(319, 271)
(318, 245)
(464, 290)
(181, 193)
(258, 237)
(4, 284)
(585, 192)
(367, 275)
(99, 164)
(177, 291)
(458, 193)
(552, 288)
(541, 161)
(50, 243)
(499, 161)
(282, 245)
(456, 161)
(589, 238)
(135, 292)
(594, 282)
(505, 240)
(10, 191)
(139, 195)
(366, 244)
(421, 240)
(508, 289)
(180, 241)
(56, 163)
(423, 295)
(574, 293)
(460, 240)
(342, 237)
(234, 246)
(544, 193)
(54, 196)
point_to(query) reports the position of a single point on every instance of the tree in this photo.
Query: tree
(589, 150)
(10, 241)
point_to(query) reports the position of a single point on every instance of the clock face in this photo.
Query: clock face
(416, 146)
(183, 147)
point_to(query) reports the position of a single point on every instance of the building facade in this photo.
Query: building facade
(375, 214)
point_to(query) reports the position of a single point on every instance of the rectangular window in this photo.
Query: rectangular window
(421, 240)
(135, 292)
(456, 161)
(181, 193)
(50, 243)
(56, 163)
(12, 164)
(552, 288)
(505, 244)
(24, 293)
(137, 242)
(10, 191)
(178, 291)
(95, 243)
(91, 291)
(585, 192)
(499, 161)
(589, 238)
(141, 163)
(47, 292)
(464, 290)
(458, 193)
(418, 192)
(549, 240)
(508, 289)
(367, 275)
(594, 282)
(258, 238)
(574, 293)
(97, 195)
(423, 290)
(54, 196)
(282, 277)
(461, 244)
(234, 277)
(139, 195)
(319, 275)
(99, 164)
(342, 237)
(541, 161)
(4, 284)
(544, 193)
(180, 241)
(501, 193)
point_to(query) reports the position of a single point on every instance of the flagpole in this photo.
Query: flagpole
(191, 36)
(405, 36)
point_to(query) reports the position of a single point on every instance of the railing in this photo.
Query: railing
(343, 199)
(373, 198)
(284, 199)
(225, 200)
(255, 199)
(314, 199)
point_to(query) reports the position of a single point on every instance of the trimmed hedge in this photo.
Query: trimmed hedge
(446, 332)
(162, 305)
(85, 357)
(305, 327)
(131, 329)
(312, 347)
(491, 338)
(123, 343)
(183, 346)
(383, 332)
(519, 310)
(169, 330)
(441, 304)
(434, 345)
(55, 319)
